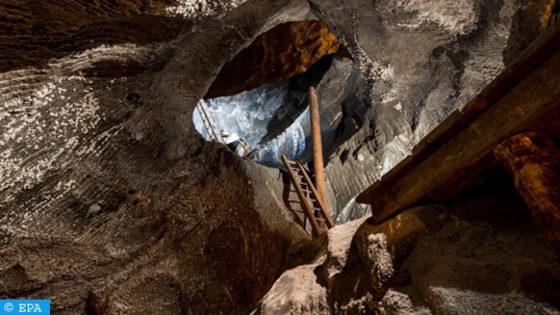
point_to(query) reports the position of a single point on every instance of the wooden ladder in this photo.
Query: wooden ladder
(207, 121)
(313, 208)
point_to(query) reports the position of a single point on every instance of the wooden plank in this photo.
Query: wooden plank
(306, 206)
(533, 160)
(466, 158)
(533, 57)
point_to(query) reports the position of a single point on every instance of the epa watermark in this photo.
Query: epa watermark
(18, 307)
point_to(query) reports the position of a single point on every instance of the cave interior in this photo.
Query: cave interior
(168, 157)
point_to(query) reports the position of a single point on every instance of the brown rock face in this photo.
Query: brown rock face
(33, 32)
(130, 224)
(533, 160)
(287, 50)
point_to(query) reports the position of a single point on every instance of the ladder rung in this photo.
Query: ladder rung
(306, 196)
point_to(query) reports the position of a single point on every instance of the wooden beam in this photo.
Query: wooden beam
(467, 157)
(317, 147)
(531, 58)
(533, 160)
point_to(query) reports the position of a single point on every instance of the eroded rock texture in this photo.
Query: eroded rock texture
(422, 59)
(110, 201)
(285, 51)
(479, 255)
(94, 213)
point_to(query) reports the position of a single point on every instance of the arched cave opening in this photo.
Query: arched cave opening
(258, 104)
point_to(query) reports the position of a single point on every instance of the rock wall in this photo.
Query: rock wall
(110, 201)
(476, 255)
(285, 51)
(97, 211)
(422, 60)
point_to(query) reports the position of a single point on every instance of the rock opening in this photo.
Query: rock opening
(260, 97)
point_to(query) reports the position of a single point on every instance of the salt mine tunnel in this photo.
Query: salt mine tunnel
(280, 157)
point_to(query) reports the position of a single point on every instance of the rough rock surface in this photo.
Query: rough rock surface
(383, 247)
(110, 201)
(94, 211)
(488, 261)
(285, 51)
(482, 254)
(332, 283)
(423, 59)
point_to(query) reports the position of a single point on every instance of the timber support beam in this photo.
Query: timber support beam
(459, 152)
(317, 146)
